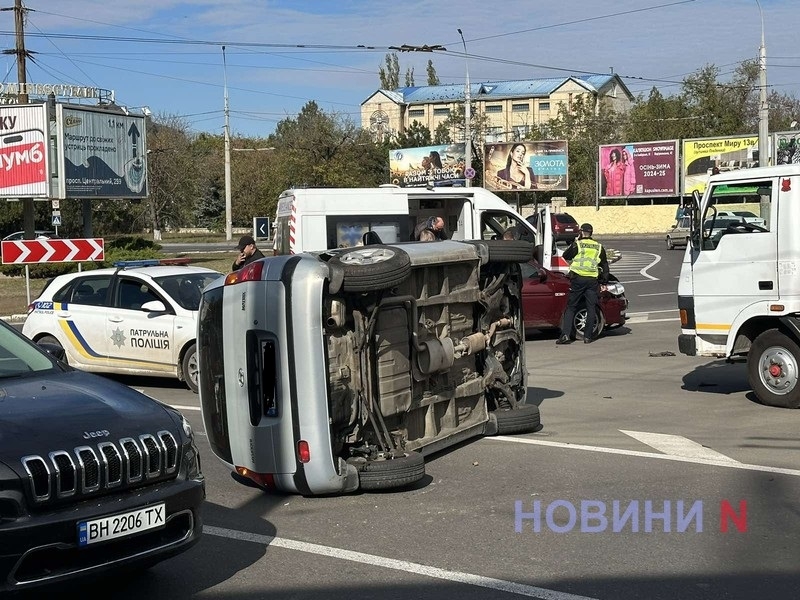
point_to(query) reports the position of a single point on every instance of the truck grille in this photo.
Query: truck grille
(88, 470)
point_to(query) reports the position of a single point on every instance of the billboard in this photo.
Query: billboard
(705, 156)
(102, 154)
(430, 165)
(643, 169)
(532, 165)
(787, 147)
(24, 157)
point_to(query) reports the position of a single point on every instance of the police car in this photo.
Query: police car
(138, 317)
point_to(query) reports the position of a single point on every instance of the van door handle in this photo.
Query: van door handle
(765, 285)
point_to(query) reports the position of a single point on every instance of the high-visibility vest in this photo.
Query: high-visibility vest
(587, 261)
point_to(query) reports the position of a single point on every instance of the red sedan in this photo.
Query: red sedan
(544, 300)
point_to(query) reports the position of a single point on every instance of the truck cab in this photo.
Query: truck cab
(739, 288)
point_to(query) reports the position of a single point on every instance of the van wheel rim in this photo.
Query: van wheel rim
(367, 256)
(778, 370)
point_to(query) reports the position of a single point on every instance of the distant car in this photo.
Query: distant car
(94, 476)
(139, 318)
(565, 227)
(678, 236)
(742, 215)
(544, 300)
(40, 234)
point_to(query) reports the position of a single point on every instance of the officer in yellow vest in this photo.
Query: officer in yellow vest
(588, 270)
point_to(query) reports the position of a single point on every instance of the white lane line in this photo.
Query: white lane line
(640, 320)
(398, 565)
(658, 294)
(676, 445)
(651, 312)
(179, 407)
(639, 454)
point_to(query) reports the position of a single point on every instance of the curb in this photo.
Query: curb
(14, 318)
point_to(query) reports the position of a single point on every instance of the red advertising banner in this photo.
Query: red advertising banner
(44, 251)
(641, 169)
(24, 164)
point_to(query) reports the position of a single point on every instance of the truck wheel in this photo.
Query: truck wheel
(773, 367)
(517, 251)
(580, 322)
(523, 419)
(190, 368)
(372, 268)
(390, 473)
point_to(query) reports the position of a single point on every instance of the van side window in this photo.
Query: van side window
(495, 224)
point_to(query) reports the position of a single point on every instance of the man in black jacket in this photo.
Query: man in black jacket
(247, 252)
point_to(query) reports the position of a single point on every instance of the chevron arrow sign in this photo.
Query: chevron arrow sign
(55, 250)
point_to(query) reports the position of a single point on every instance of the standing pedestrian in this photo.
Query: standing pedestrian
(248, 252)
(588, 270)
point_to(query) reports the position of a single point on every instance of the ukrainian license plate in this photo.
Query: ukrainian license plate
(118, 526)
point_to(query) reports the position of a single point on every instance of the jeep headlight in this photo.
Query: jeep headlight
(615, 289)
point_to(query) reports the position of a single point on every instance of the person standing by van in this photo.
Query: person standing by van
(588, 270)
(248, 252)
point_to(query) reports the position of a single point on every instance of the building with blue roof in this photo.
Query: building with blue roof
(511, 108)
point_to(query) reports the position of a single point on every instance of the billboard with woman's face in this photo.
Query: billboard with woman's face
(526, 166)
(642, 169)
(429, 165)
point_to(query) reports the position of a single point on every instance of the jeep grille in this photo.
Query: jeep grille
(106, 466)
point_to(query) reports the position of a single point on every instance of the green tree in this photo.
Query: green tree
(410, 77)
(433, 78)
(415, 135)
(390, 74)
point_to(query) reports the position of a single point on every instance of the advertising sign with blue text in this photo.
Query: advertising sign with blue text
(541, 165)
(437, 166)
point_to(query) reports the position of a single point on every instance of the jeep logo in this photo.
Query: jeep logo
(87, 435)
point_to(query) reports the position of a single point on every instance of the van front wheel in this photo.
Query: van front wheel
(773, 367)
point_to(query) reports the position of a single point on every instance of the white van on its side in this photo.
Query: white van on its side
(316, 219)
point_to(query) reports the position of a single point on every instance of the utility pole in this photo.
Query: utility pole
(467, 120)
(763, 110)
(228, 201)
(28, 213)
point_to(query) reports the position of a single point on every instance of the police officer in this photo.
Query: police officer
(588, 270)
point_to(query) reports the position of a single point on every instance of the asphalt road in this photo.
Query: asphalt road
(628, 422)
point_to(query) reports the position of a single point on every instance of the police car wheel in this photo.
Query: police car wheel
(397, 472)
(372, 268)
(189, 368)
(773, 368)
(523, 419)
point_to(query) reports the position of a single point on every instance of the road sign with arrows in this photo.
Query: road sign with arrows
(22, 252)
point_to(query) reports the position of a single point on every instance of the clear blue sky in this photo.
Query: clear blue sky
(166, 54)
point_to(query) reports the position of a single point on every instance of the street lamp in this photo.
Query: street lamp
(467, 119)
(228, 203)
(763, 111)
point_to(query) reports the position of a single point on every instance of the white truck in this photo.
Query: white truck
(739, 288)
(316, 219)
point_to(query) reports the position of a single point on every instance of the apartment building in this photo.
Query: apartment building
(511, 108)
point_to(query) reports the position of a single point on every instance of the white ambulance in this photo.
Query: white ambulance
(316, 219)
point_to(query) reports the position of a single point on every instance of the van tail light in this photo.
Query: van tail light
(251, 272)
(262, 480)
(303, 451)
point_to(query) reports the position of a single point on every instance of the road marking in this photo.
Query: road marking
(658, 294)
(652, 312)
(631, 260)
(398, 565)
(179, 407)
(640, 454)
(676, 445)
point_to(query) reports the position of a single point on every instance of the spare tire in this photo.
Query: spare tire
(372, 268)
(387, 473)
(508, 250)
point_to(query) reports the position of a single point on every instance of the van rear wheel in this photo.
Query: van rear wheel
(372, 268)
(773, 368)
(388, 473)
